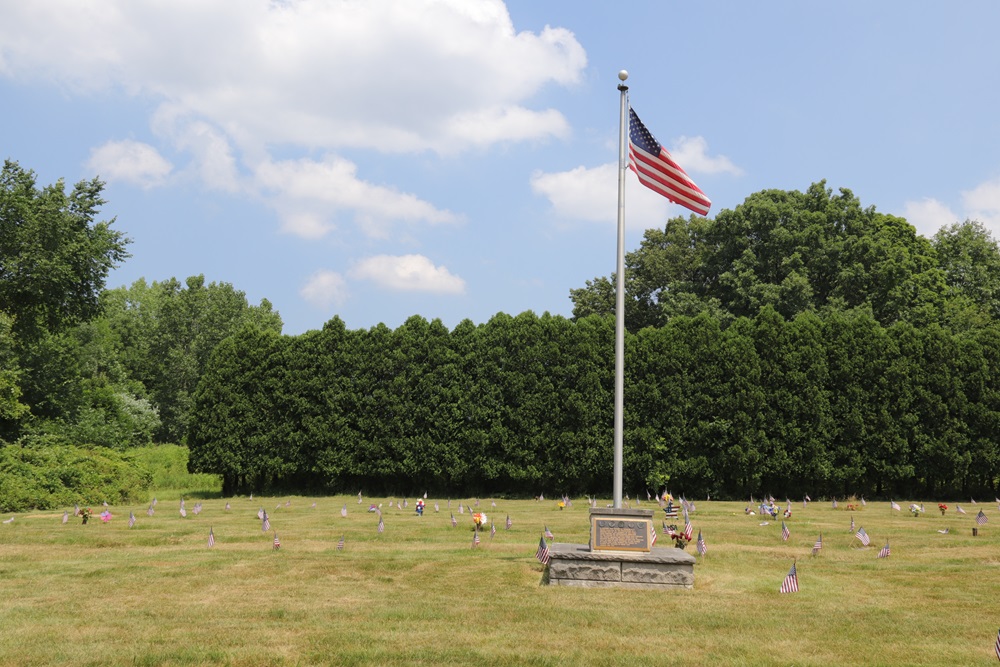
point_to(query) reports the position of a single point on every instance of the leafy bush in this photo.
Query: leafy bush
(43, 473)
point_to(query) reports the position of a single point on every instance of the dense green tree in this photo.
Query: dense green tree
(970, 258)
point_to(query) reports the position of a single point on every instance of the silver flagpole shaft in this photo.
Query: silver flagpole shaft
(620, 296)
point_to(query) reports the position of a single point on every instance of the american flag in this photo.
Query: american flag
(131, 519)
(973, 501)
(381, 525)
(834, 503)
(425, 495)
(265, 524)
(791, 582)
(688, 530)
(894, 505)
(997, 647)
(493, 530)
(66, 516)
(863, 536)
(543, 551)
(884, 552)
(852, 523)
(437, 507)
(785, 533)
(701, 547)
(343, 511)
(958, 508)
(277, 542)
(864, 503)
(818, 545)
(508, 523)
(656, 169)
(211, 538)
(76, 510)
(981, 518)
(454, 521)
(652, 533)
(475, 539)
(359, 497)
(228, 507)
(183, 512)
(461, 510)
(149, 512)
(548, 533)
(340, 544)
(260, 514)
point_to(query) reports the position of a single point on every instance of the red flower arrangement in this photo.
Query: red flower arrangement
(943, 508)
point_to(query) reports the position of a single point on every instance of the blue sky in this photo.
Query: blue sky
(456, 158)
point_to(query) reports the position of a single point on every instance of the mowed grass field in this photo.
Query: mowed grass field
(419, 594)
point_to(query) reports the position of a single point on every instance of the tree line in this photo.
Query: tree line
(798, 343)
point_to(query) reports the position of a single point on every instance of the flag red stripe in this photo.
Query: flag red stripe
(661, 174)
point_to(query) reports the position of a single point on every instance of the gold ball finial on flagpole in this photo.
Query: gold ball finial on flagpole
(622, 75)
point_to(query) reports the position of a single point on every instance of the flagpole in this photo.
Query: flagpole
(620, 296)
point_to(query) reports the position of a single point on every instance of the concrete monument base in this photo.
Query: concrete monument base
(660, 568)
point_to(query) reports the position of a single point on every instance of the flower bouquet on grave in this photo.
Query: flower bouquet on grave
(679, 537)
(943, 508)
(480, 519)
(85, 514)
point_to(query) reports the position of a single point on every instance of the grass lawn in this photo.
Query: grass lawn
(419, 594)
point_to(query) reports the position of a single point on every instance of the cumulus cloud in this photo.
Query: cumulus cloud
(591, 195)
(130, 162)
(692, 154)
(310, 193)
(928, 216)
(983, 203)
(391, 75)
(325, 289)
(408, 273)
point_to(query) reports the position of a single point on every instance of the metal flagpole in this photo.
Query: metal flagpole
(620, 296)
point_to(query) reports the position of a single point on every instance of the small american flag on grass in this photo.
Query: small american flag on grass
(277, 543)
(785, 533)
(543, 551)
(454, 521)
(894, 505)
(66, 516)
(863, 536)
(508, 523)
(211, 538)
(701, 547)
(548, 533)
(340, 544)
(475, 539)
(958, 508)
(791, 582)
(381, 525)
(884, 551)
(818, 545)
(343, 511)
(131, 519)
(997, 647)
(981, 518)
(265, 524)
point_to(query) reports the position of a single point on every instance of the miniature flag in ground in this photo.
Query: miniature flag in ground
(228, 507)
(66, 516)
(508, 523)
(884, 552)
(852, 523)
(277, 542)
(437, 508)
(260, 514)
(149, 512)
(184, 512)
(785, 533)
(864, 503)
(834, 503)
(981, 518)
(340, 544)
(76, 511)
(548, 533)
(791, 582)
(131, 519)
(652, 532)
(454, 521)
(493, 530)
(958, 508)
(265, 524)
(945, 531)
(997, 647)
(701, 547)
(475, 539)
(359, 497)
(818, 545)
(211, 537)
(493, 503)
(863, 536)
(10, 520)
(973, 501)
(381, 525)
(543, 551)
(894, 505)
(343, 511)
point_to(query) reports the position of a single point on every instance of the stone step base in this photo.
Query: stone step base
(661, 568)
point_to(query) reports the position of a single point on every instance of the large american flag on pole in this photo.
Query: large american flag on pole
(658, 171)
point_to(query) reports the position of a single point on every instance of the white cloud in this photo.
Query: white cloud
(129, 161)
(408, 273)
(325, 289)
(591, 195)
(307, 194)
(983, 203)
(928, 216)
(692, 154)
(392, 75)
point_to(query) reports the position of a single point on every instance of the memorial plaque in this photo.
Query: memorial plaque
(620, 532)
